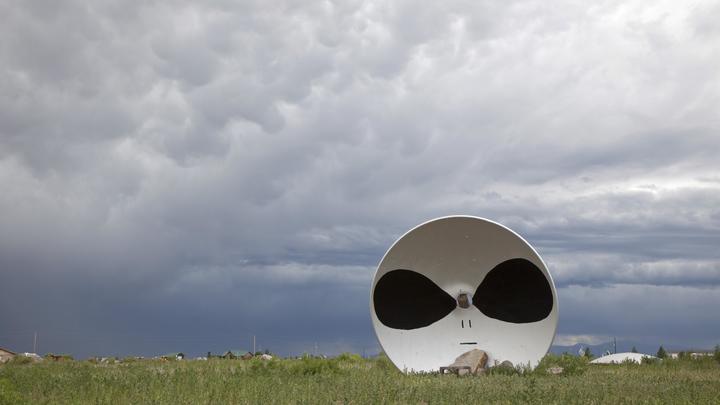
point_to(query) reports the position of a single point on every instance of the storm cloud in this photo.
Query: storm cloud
(183, 176)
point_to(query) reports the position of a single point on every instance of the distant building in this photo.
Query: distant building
(693, 354)
(58, 357)
(6, 355)
(32, 356)
(173, 356)
(619, 358)
(237, 354)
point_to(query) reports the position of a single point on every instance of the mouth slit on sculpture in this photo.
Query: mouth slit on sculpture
(405, 299)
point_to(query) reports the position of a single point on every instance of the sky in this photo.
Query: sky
(183, 176)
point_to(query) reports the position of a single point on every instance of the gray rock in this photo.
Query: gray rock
(470, 362)
(506, 364)
(554, 370)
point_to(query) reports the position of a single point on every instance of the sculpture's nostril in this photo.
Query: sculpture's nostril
(463, 301)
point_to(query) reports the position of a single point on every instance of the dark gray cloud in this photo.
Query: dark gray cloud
(179, 176)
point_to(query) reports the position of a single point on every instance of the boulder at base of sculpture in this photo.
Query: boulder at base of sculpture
(472, 362)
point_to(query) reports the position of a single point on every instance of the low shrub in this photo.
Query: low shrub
(264, 367)
(349, 357)
(382, 362)
(506, 369)
(571, 365)
(58, 357)
(629, 362)
(20, 359)
(313, 366)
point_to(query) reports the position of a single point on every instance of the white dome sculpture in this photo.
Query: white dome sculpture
(459, 283)
(618, 358)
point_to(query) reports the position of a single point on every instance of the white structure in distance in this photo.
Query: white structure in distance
(619, 358)
(459, 283)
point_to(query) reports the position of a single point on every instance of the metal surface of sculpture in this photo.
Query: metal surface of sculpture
(459, 283)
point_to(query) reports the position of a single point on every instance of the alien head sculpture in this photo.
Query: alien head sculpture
(459, 283)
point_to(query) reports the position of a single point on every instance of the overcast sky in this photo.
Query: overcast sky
(181, 176)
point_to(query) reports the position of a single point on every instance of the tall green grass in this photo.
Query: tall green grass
(351, 379)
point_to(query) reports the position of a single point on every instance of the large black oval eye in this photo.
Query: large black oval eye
(515, 291)
(405, 299)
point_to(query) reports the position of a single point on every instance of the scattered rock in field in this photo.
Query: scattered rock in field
(506, 364)
(471, 362)
(266, 357)
(506, 368)
(554, 370)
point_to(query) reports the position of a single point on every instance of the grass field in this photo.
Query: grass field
(350, 379)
